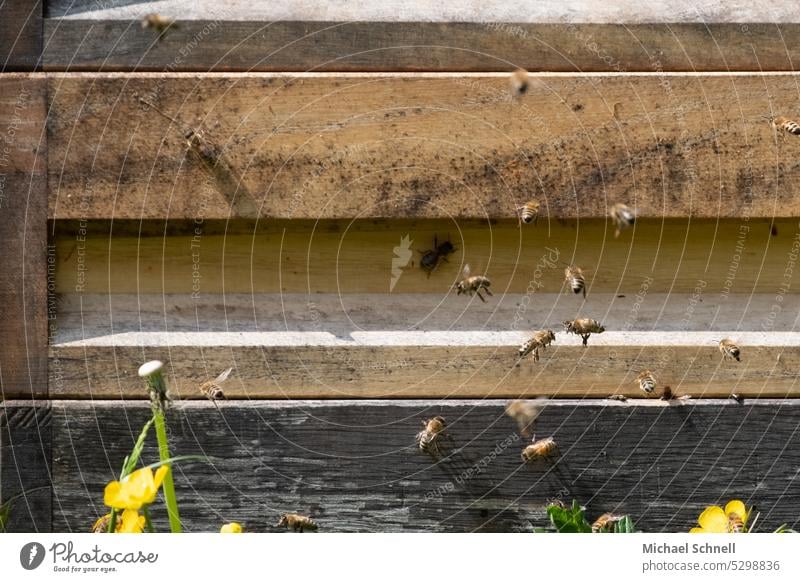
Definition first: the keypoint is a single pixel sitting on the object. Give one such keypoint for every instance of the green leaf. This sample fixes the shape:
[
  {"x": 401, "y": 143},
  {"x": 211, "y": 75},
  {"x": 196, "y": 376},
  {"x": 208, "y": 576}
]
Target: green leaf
[
  {"x": 130, "y": 461},
  {"x": 624, "y": 525},
  {"x": 178, "y": 459},
  {"x": 569, "y": 520}
]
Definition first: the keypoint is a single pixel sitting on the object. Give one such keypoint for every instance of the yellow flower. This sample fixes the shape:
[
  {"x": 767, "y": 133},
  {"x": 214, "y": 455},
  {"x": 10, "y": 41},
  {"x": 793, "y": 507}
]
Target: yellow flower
[
  {"x": 137, "y": 489},
  {"x": 231, "y": 528},
  {"x": 130, "y": 522},
  {"x": 714, "y": 519}
]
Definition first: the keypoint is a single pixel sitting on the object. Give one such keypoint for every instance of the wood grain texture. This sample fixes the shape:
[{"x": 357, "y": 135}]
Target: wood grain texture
[
  {"x": 718, "y": 258},
  {"x": 421, "y": 146},
  {"x": 23, "y": 236},
  {"x": 21, "y": 35},
  {"x": 355, "y": 467},
  {"x": 25, "y": 480},
  {"x": 116, "y": 44}
]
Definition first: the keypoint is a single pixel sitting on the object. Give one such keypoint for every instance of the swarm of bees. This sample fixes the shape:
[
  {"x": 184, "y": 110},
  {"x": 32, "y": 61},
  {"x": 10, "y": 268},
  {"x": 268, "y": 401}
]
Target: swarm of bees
[
  {"x": 540, "y": 339},
  {"x": 584, "y": 328},
  {"x": 473, "y": 284},
  {"x": 431, "y": 259},
  {"x": 297, "y": 523}
]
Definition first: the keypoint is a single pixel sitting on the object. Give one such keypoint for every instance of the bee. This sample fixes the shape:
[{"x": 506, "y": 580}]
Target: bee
[
  {"x": 735, "y": 523},
  {"x": 541, "y": 449},
  {"x": 605, "y": 521},
  {"x": 212, "y": 389},
  {"x": 529, "y": 212},
  {"x": 618, "y": 397},
  {"x": 298, "y": 523},
  {"x": 730, "y": 351},
  {"x": 158, "y": 23},
  {"x": 647, "y": 382},
  {"x": 773, "y": 230},
  {"x": 784, "y": 124},
  {"x": 474, "y": 284},
  {"x": 667, "y": 394},
  {"x": 738, "y": 398},
  {"x": 431, "y": 259},
  {"x": 101, "y": 525},
  {"x": 555, "y": 501},
  {"x": 584, "y": 328},
  {"x": 428, "y": 439},
  {"x": 623, "y": 217},
  {"x": 524, "y": 414},
  {"x": 519, "y": 82},
  {"x": 574, "y": 276},
  {"x": 540, "y": 339}
]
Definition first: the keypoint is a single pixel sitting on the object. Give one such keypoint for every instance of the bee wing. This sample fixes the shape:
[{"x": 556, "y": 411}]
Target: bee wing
[
  {"x": 466, "y": 271},
  {"x": 224, "y": 376}
]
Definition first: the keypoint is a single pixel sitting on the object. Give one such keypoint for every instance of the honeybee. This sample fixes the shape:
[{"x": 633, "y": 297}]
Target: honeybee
[
  {"x": 529, "y": 212},
  {"x": 735, "y": 523},
  {"x": 158, "y": 23},
  {"x": 540, "y": 339},
  {"x": 584, "y": 328},
  {"x": 555, "y": 501},
  {"x": 574, "y": 276},
  {"x": 623, "y": 217},
  {"x": 667, "y": 393},
  {"x": 784, "y": 124},
  {"x": 647, "y": 382},
  {"x": 428, "y": 439},
  {"x": 474, "y": 284},
  {"x": 618, "y": 397},
  {"x": 212, "y": 389},
  {"x": 101, "y": 525},
  {"x": 738, "y": 398},
  {"x": 541, "y": 449},
  {"x": 524, "y": 413},
  {"x": 298, "y": 523},
  {"x": 605, "y": 521},
  {"x": 519, "y": 82},
  {"x": 730, "y": 351},
  {"x": 431, "y": 259}
]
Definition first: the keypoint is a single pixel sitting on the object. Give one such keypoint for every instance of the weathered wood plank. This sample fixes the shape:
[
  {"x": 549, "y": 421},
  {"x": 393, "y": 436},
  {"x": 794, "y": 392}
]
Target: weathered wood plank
[
  {"x": 719, "y": 258},
  {"x": 354, "y": 466},
  {"x": 21, "y": 35},
  {"x": 23, "y": 236},
  {"x": 25, "y": 480},
  {"x": 427, "y": 364},
  {"x": 421, "y": 145}
]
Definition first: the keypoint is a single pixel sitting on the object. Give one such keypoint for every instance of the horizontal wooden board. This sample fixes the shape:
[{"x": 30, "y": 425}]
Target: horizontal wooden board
[
  {"x": 714, "y": 258},
  {"x": 477, "y": 364},
  {"x": 421, "y": 145},
  {"x": 353, "y": 466},
  {"x": 21, "y": 35}
]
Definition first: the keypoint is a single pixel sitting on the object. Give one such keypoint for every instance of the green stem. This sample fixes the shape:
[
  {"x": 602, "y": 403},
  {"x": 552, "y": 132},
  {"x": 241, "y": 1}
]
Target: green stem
[
  {"x": 169, "y": 487},
  {"x": 147, "y": 521}
]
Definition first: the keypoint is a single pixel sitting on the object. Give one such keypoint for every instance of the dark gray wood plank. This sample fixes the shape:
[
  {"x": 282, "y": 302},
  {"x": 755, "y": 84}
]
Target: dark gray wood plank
[
  {"x": 253, "y": 45},
  {"x": 20, "y": 35},
  {"x": 25, "y": 484},
  {"x": 354, "y": 466}
]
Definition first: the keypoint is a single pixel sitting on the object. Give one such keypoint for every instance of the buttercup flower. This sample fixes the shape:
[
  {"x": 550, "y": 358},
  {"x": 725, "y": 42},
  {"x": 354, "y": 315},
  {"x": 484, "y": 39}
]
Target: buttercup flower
[
  {"x": 231, "y": 528},
  {"x": 136, "y": 490},
  {"x": 714, "y": 519}
]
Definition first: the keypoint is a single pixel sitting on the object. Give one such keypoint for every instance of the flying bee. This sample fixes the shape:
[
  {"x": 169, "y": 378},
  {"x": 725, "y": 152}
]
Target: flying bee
[
  {"x": 605, "y": 521},
  {"x": 574, "y": 276},
  {"x": 730, "y": 351},
  {"x": 428, "y": 439},
  {"x": 158, "y": 23},
  {"x": 623, "y": 217},
  {"x": 647, "y": 382},
  {"x": 584, "y": 328},
  {"x": 784, "y": 125},
  {"x": 519, "y": 82},
  {"x": 529, "y": 212},
  {"x": 541, "y": 449},
  {"x": 298, "y": 523},
  {"x": 431, "y": 259},
  {"x": 212, "y": 389},
  {"x": 525, "y": 414},
  {"x": 540, "y": 339},
  {"x": 473, "y": 284}
]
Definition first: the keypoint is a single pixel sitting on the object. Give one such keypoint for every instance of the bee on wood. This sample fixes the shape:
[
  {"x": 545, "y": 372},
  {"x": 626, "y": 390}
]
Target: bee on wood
[
  {"x": 474, "y": 284},
  {"x": 540, "y": 339},
  {"x": 541, "y": 449},
  {"x": 158, "y": 23},
  {"x": 525, "y": 414},
  {"x": 623, "y": 217},
  {"x": 605, "y": 521},
  {"x": 519, "y": 82},
  {"x": 429, "y": 438},
  {"x": 298, "y": 523},
  {"x": 529, "y": 212},
  {"x": 784, "y": 125},
  {"x": 618, "y": 397},
  {"x": 574, "y": 276},
  {"x": 773, "y": 230},
  {"x": 584, "y": 328},
  {"x": 212, "y": 389},
  {"x": 431, "y": 259},
  {"x": 730, "y": 351},
  {"x": 667, "y": 393},
  {"x": 647, "y": 382},
  {"x": 738, "y": 398}
]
